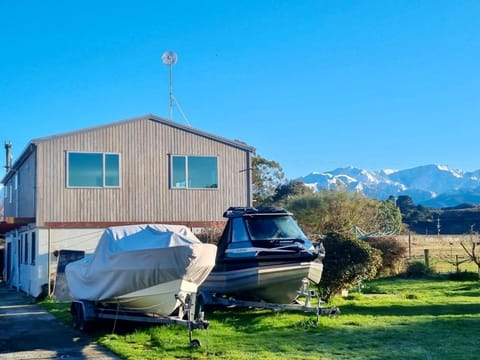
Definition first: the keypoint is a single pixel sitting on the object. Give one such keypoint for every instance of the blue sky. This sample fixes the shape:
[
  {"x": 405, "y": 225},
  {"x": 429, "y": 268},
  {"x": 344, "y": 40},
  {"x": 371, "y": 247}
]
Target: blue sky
[{"x": 314, "y": 85}]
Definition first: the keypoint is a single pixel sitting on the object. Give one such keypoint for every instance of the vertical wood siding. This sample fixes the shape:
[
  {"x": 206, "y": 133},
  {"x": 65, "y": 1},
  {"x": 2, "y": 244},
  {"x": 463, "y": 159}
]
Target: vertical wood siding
[
  {"x": 22, "y": 204},
  {"x": 144, "y": 195}
]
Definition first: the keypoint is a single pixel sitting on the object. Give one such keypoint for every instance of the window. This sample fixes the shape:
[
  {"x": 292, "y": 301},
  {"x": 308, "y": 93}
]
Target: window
[
  {"x": 33, "y": 248},
  {"x": 194, "y": 172},
  {"x": 93, "y": 169},
  {"x": 239, "y": 233},
  {"x": 274, "y": 227}
]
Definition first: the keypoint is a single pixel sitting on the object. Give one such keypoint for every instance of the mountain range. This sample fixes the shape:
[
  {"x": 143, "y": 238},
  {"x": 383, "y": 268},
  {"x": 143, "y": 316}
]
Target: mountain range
[{"x": 435, "y": 186}]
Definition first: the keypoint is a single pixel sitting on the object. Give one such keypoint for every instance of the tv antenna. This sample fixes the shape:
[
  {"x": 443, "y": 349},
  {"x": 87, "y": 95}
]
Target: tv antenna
[{"x": 170, "y": 58}]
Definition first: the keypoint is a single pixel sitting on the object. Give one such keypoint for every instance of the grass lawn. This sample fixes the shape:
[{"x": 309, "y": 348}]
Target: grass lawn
[{"x": 390, "y": 319}]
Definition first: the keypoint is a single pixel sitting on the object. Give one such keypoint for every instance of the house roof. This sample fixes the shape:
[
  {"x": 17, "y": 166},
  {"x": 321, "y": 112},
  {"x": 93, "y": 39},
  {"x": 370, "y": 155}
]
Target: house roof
[{"x": 31, "y": 145}]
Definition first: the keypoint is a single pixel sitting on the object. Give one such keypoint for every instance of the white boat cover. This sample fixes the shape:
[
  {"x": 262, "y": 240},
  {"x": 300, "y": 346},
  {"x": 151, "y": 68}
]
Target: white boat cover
[{"x": 134, "y": 257}]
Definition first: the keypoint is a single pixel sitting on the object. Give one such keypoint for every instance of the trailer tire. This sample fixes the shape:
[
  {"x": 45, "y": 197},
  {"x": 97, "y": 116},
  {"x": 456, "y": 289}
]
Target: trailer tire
[{"x": 79, "y": 321}]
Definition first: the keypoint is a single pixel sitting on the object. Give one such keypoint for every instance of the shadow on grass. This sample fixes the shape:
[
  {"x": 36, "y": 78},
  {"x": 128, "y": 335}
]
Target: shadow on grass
[
  {"x": 409, "y": 310},
  {"x": 262, "y": 334},
  {"x": 249, "y": 321},
  {"x": 470, "y": 290},
  {"x": 435, "y": 338}
]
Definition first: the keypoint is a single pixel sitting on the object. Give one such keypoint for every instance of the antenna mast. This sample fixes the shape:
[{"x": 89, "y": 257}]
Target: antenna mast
[{"x": 170, "y": 58}]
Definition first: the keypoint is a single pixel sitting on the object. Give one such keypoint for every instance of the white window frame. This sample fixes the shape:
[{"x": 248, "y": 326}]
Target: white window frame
[
  {"x": 186, "y": 187},
  {"x": 104, "y": 186}
]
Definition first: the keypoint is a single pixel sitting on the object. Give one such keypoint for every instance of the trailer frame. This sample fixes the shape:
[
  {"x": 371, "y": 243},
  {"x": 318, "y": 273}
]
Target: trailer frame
[
  {"x": 206, "y": 298},
  {"x": 86, "y": 312}
]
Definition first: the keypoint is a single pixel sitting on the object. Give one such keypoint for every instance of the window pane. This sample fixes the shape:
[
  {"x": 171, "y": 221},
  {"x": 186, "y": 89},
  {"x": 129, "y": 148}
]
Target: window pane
[
  {"x": 85, "y": 169},
  {"x": 239, "y": 233},
  {"x": 202, "y": 172},
  {"x": 112, "y": 170},
  {"x": 178, "y": 172}
]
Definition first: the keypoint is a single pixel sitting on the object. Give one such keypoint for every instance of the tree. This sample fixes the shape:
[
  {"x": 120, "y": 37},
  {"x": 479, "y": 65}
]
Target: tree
[
  {"x": 405, "y": 204},
  {"x": 413, "y": 214},
  {"x": 389, "y": 217},
  {"x": 339, "y": 211},
  {"x": 470, "y": 248},
  {"x": 347, "y": 262},
  {"x": 267, "y": 175},
  {"x": 392, "y": 251},
  {"x": 289, "y": 189}
]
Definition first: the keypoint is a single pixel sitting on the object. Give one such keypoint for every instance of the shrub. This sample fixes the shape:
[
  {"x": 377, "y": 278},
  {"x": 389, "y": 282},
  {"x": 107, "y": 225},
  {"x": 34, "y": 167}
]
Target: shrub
[
  {"x": 347, "y": 262},
  {"x": 210, "y": 235},
  {"x": 417, "y": 269},
  {"x": 393, "y": 254}
]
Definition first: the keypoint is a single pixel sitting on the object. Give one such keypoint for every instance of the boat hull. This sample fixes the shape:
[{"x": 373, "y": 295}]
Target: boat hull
[
  {"x": 270, "y": 283},
  {"x": 161, "y": 299}
]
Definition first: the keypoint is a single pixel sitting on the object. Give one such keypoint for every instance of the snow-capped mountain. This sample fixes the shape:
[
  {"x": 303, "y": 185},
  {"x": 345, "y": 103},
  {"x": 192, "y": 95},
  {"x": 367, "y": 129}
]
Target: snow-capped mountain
[{"x": 429, "y": 185}]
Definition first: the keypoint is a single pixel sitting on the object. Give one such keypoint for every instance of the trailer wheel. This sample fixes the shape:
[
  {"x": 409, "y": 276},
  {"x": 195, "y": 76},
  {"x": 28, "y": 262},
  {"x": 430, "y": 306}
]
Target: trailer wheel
[
  {"x": 195, "y": 343},
  {"x": 79, "y": 321}
]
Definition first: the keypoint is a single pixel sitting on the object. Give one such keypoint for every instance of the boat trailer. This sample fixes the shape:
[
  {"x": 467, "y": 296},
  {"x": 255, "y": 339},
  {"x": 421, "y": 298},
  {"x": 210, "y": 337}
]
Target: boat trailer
[
  {"x": 206, "y": 298},
  {"x": 86, "y": 312}
]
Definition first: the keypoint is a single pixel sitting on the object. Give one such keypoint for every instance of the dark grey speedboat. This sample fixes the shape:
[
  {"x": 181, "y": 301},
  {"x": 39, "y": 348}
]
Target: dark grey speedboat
[{"x": 263, "y": 255}]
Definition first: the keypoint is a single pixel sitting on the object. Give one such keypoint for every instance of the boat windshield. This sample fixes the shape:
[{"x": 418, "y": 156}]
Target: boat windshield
[{"x": 273, "y": 227}]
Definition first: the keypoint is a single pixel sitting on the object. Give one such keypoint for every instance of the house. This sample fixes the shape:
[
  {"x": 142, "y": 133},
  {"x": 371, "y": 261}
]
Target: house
[{"x": 65, "y": 189}]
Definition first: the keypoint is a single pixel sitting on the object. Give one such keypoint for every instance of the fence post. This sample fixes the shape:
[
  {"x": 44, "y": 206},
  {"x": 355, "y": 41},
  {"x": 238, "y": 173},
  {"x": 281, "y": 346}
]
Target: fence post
[
  {"x": 427, "y": 259},
  {"x": 456, "y": 263},
  {"x": 409, "y": 245}
]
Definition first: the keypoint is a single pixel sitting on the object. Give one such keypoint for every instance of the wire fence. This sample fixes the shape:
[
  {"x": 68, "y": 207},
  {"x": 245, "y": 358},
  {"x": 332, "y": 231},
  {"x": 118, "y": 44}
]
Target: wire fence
[{"x": 442, "y": 253}]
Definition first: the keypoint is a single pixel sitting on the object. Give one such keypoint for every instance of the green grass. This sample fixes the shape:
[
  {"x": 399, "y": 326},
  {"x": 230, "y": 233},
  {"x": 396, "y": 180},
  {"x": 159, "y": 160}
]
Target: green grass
[
  {"x": 61, "y": 310},
  {"x": 390, "y": 319}
]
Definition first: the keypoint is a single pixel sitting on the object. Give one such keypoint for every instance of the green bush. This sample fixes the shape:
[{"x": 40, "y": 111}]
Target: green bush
[
  {"x": 417, "y": 270},
  {"x": 347, "y": 262},
  {"x": 393, "y": 254}
]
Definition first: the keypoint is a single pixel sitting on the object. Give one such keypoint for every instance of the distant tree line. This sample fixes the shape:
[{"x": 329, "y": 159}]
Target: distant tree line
[{"x": 461, "y": 219}]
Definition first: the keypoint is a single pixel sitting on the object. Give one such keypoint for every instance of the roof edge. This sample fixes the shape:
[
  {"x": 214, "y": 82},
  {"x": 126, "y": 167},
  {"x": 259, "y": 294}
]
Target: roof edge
[
  {"x": 235, "y": 143},
  {"x": 155, "y": 118}
]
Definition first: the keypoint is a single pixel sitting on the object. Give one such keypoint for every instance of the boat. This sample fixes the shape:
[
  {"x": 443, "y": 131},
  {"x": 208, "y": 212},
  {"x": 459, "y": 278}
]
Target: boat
[
  {"x": 263, "y": 255},
  {"x": 150, "y": 268}
]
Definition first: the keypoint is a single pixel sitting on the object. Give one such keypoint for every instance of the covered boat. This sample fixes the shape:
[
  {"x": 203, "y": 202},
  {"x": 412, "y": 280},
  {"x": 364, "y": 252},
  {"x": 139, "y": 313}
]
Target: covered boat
[
  {"x": 150, "y": 268},
  {"x": 263, "y": 255}
]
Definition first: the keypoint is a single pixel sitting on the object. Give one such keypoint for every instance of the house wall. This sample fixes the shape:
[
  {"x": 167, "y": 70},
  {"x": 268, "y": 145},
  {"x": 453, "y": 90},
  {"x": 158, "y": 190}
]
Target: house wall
[
  {"x": 145, "y": 147},
  {"x": 19, "y": 196},
  {"x": 30, "y": 276}
]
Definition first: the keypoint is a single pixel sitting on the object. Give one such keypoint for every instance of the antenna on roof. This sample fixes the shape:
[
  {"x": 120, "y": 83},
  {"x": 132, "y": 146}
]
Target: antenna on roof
[{"x": 170, "y": 58}]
